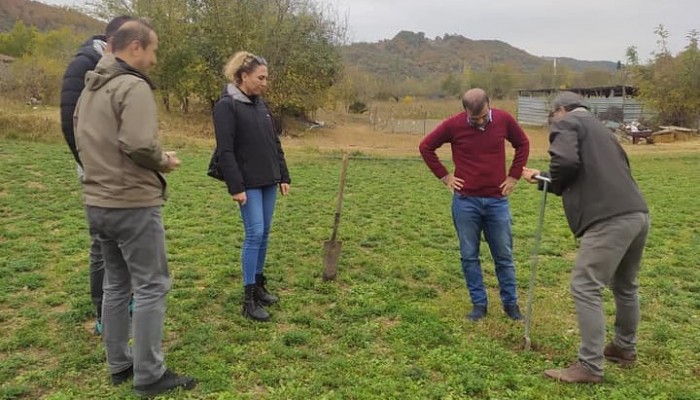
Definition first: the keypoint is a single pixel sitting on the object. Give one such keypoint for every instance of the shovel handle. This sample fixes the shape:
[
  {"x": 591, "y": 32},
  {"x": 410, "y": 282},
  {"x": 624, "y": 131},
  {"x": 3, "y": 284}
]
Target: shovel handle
[
  {"x": 341, "y": 189},
  {"x": 543, "y": 178},
  {"x": 534, "y": 259}
]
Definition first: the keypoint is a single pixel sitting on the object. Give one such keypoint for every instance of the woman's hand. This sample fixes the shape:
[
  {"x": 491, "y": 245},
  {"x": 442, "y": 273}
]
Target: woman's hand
[
  {"x": 240, "y": 198},
  {"x": 284, "y": 189}
]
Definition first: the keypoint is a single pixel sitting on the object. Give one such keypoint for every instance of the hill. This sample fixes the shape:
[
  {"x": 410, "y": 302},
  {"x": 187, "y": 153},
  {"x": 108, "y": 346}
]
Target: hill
[
  {"x": 411, "y": 54},
  {"x": 45, "y": 17}
]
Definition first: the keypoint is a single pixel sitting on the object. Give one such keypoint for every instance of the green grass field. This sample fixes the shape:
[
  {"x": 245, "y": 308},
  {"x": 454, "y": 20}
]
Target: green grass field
[{"x": 393, "y": 324}]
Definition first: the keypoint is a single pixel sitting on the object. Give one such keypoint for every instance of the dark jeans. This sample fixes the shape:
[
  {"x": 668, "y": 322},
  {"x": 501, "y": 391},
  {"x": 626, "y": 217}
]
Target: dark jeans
[
  {"x": 97, "y": 266},
  {"x": 97, "y": 274}
]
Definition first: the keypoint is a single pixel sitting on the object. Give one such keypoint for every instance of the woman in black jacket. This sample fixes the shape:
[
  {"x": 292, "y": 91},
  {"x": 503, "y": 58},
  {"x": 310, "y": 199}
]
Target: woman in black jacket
[{"x": 253, "y": 166}]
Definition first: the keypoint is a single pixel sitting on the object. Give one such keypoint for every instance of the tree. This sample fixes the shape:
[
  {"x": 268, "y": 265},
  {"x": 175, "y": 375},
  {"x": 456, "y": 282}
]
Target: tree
[
  {"x": 499, "y": 80},
  {"x": 298, "y": 38},
  {"x": 671, "y": 85},
  {"x": 19, "y": 41},
  {"x": 41, "y": 59},
  {"x": 452, "y": 85}
]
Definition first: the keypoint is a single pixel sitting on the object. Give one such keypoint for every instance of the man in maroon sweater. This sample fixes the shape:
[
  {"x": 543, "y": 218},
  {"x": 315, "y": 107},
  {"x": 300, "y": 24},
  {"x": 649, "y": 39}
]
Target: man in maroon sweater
[{"x": 480, "y": 188}]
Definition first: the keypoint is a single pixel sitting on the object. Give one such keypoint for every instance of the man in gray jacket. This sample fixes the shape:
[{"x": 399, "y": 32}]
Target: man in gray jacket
[
  {"x": 607, "y": 212},
  {"x": 116, "y": 129}
]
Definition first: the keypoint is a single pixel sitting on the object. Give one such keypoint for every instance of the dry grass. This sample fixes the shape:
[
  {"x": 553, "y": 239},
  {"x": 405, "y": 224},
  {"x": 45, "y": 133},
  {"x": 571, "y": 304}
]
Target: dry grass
[{"x": 342, "y": 132}]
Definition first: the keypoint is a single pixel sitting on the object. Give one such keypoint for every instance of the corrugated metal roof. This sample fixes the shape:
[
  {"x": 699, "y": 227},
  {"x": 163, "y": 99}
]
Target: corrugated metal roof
[{"x": 596, "y": 91}]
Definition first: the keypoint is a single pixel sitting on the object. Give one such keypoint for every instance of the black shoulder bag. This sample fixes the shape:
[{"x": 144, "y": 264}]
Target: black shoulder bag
[{"x": 214, "y": 169}]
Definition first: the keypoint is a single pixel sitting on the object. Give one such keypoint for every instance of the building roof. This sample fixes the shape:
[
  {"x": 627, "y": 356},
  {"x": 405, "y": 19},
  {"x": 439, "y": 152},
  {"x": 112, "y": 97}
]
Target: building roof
[{"x": 599, "y": 91}]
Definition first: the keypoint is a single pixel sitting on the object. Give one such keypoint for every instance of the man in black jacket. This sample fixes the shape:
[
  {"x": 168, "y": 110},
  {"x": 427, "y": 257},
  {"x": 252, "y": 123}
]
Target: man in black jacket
[
  {"x": 73, "y": 83},
  {"x": 607, "y": 212}
]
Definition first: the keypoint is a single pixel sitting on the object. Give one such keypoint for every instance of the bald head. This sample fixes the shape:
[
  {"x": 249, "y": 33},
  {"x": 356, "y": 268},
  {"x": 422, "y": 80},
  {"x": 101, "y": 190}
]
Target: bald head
[
  {"x": 475, "y": 100},
  {"x": 138, "y": 30}
]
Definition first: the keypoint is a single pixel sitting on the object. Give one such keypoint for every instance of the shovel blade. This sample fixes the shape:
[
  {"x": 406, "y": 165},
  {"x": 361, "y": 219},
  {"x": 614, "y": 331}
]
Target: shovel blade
[{"x": 331, "y": 254}]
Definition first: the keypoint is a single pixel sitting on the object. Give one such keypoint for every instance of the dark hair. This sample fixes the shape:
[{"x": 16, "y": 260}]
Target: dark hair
[
  {"x": 116, "y": 23},
  {"x": 136, "y": 30}
]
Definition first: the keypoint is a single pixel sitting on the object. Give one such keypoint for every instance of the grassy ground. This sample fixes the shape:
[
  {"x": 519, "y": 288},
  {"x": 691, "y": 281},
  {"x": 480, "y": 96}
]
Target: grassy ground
[{"x": 393, "y": 324}]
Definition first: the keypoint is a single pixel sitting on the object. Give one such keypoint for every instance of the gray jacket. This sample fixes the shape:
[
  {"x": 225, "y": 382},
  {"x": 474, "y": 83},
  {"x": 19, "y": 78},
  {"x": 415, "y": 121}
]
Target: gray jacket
[{"x": 591, "y": 171}]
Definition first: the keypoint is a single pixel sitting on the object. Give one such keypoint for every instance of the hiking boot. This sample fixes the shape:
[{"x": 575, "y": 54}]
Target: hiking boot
[
  {"x": 264, "y": 297},
  {"x": 167, "y": 382},
  {"x": 251, "y": 306},
  {"x": 576, "y": 373},
  {"x": 513, "y": 311},
  {"x": 479, "y": 311},
  {"x": 123, "y": 376},
  {"x": 614, "y": 354},
  {"x": 98, "y": 327}
]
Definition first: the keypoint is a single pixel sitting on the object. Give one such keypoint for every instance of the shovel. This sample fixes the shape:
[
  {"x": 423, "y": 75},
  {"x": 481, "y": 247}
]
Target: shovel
[
  {"x": 331, "y": 248},
  {"x": 527, "y": 343}
]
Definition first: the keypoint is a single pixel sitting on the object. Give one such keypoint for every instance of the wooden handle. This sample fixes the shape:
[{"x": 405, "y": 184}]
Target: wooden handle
[{"x": 341, "y": 189}]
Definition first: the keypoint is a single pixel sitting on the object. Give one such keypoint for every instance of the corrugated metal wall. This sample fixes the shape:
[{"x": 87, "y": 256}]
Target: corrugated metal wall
[{"x": 534, "y": 110}]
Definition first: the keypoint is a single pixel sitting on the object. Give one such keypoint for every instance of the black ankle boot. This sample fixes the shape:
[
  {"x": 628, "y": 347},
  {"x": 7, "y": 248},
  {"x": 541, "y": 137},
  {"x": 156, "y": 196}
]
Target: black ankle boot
[
  {"x": 264, "y": 297},
  {"x": 251, "y": 307},
  {"x": 479, "y": 311}
]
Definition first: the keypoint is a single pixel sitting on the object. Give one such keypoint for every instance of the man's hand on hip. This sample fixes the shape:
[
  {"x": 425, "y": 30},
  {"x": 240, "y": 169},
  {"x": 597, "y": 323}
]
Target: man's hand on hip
[
  {"x": 452, "y": 182},
  {"x": 508, "y": 186}
]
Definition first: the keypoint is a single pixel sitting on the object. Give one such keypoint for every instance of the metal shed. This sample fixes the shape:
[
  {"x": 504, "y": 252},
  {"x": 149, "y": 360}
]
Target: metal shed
[{"x": 604, "y": 101}]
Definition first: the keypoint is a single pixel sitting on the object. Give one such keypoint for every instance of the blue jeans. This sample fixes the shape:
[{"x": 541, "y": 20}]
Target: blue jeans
[
  {"x": 471, "y": 216},
  {"x": 257, "y": 219}
]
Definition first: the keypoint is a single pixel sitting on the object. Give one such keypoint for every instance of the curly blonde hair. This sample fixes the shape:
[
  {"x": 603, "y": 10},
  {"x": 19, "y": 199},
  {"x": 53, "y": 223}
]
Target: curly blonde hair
[{"x": 240, "y": 62}]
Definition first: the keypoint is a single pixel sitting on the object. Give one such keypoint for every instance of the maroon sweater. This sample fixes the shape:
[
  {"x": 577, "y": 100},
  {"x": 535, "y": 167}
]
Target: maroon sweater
[{"x": 479, "y": 156}]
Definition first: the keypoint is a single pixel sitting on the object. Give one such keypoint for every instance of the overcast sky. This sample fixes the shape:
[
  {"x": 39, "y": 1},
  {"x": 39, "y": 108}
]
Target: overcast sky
[{"x": 586, "y": 30}]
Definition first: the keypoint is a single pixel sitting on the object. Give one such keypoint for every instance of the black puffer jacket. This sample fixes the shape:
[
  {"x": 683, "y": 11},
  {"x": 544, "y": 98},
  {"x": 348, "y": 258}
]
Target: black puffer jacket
[
  {"x": 250, "y": 152},
  {"x": 73, "y": 83}
]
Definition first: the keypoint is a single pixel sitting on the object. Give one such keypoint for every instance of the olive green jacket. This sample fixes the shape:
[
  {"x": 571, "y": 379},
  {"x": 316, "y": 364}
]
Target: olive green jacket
[{"x": 116, "y": 131}]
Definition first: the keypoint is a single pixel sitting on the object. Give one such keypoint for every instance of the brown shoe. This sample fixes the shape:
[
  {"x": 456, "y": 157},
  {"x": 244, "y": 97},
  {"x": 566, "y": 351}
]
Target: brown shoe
[
  {"x": 576, "y": 373},
  {"x": 614, "y": 354}
]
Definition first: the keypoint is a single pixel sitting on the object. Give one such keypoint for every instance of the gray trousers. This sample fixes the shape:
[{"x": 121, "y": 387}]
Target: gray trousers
[
  {"x": 133, "y": 247},
  {"x": 610, "y": 254}
]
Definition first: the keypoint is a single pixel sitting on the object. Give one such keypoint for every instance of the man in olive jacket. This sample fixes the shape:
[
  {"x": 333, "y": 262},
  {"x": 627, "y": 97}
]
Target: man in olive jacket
[
  {"x": 117, "y": 140},
  {"x": 607, "y": 212}
]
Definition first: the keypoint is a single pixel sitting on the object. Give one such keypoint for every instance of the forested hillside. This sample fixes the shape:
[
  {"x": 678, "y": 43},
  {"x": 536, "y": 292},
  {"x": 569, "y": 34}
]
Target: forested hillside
[
  {"x": 45, "y": 17},
  {"x": 414, "y": 55}
]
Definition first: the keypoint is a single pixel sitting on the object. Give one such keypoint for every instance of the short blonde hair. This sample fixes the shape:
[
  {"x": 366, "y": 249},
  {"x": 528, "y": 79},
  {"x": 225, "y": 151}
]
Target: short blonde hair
[{"x": 240, "y": 62}]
